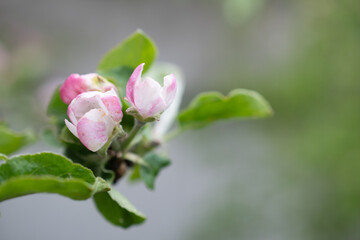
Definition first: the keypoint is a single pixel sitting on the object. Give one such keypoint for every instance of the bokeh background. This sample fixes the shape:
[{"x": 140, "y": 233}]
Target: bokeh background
[{"x": 294, "y": 176}]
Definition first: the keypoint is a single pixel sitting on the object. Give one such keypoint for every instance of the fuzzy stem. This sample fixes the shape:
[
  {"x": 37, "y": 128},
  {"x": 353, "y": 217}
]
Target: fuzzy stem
[
  {"x": 135, "y": 159},
  {"x": 137, "y": 126}
]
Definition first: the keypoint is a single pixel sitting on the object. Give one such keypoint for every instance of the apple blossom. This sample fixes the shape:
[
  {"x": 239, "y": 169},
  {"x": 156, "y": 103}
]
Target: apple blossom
[
  {"x": 93, "y": 116},
  {"x": 147, "y": 98},
  {"x": 76, "y": 84}
]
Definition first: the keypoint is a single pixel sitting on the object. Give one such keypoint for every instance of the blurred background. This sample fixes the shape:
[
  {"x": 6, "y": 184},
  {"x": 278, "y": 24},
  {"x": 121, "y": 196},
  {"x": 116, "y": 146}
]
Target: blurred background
[{"x": 295, "y": 176}]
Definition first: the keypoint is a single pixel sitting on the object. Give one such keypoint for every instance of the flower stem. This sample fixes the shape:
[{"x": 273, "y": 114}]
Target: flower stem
[
  {"x": 127, "y": 142},
  {"x": 135, "y": 159}
]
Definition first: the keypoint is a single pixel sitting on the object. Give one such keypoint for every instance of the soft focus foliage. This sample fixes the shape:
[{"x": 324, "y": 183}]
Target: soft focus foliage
[
  {"x": 11, "y": 141},
  {"x": 314, "y": 137}
]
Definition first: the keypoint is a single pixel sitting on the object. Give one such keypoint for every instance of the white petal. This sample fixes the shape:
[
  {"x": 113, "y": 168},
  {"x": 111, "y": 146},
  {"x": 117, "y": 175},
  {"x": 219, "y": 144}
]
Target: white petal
[
  {"x": 71, "y": 115},
  {"x": 71, "y": 127},
  {"x": 148, "y": 99},
  {"x": 169, "y": 90}
]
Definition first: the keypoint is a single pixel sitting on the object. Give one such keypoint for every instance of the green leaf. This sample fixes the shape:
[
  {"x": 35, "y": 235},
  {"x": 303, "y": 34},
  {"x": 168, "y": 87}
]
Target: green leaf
[
  {"x": 213, "y": 106},
  {"x": 155, "y": 163},
  {"x": 47, "y": 173},
  {"x": 135, "y": 174},
  {"x": 57, "y": 109},
  {"x": 117, "y": 209},
  {"x": 11, "y": 141},
  {"x": 134, "y": 50}
]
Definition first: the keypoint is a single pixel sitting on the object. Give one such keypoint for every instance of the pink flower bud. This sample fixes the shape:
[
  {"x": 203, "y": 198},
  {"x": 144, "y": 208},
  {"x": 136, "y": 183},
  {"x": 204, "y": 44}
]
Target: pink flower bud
[
  {"x": 148, "y": 98},
  {"x": 76, "y": 84},
  {"x": 93, "y": 116}
]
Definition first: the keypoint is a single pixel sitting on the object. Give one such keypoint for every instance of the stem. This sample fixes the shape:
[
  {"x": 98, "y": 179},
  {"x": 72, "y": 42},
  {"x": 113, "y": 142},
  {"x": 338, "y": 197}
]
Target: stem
[
  {"x": 98, "y": 169},
  {"x": 135, "y": 159},
  {"x": 137, "y": 126}
]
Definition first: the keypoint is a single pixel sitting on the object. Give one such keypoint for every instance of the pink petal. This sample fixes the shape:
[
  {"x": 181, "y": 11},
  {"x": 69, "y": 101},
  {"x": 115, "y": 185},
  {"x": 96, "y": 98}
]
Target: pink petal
[
  {"x": 112, "y": 104},
  {"x": 169, "y": 90},
  {"x": 157, "y": 107},
  {"x": 76, "y": 84},
  {"x": 134, "y": 79},
  {"x": 94, "y": 129},
  {"x": 108, "y": 86},
  {"x": 73, "y": 86},
  {"x": 147, "y": 96}
]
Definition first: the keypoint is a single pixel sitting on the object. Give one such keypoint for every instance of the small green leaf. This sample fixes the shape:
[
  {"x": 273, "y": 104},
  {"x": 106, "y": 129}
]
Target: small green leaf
[
  {"x": 155, "y": 163},
  {"x": 57, "y": 109},
  {"x": 47, "y": 173},
  {"x": 11, "y": 141},
  {"x": 213, "y": 106},
  {"x": 67, "y": 137},
  {"x": 117, "y": 209},
  {"x": 134, "y": 50},
  {"x": 135, "y": 174}
]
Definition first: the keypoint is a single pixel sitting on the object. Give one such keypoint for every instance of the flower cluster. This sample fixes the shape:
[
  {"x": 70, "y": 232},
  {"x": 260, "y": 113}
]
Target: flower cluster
[{"x": 95, "y": 109}]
